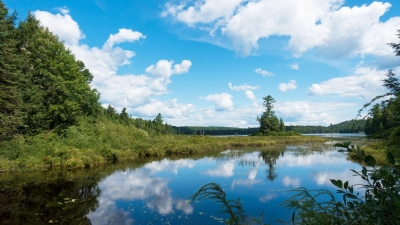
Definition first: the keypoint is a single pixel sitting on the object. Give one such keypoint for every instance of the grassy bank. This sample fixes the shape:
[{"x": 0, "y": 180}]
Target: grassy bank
[
  {"x": 91, "y": 143},
  {"x": 375, "y": 148}
]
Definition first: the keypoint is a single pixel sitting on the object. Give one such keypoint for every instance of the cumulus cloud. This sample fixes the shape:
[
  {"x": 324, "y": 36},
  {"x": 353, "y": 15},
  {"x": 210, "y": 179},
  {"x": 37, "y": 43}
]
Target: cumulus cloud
[
  {"x": 291, "y": 182},
  {"x": 209, "y": 12},
  {"x": 124, "y": 35},
  {"x": 169, "y": 109},
  {"x": 222, "y": 101},
  {"x": 289, "y": 86},
  {"x": 135, "y": 92},
  {"x": 250, "y": 95},
  {"x": 333, "y": 29},
  {"x": 142, "y": 185},
  {"x": 294, "y": 66},
  {"x": 244, "y": 87},
  {"x": 62, "y": 25},
  {"x": 365, "y": 83},
  {"x": 313, "y": 113},
  {"x": 223, "y": 169},
  {"x": 264, "y": 73}
]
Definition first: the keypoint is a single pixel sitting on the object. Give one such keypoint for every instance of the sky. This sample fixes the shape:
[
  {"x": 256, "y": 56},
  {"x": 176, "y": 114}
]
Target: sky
[{"x": 210, "y": 62}]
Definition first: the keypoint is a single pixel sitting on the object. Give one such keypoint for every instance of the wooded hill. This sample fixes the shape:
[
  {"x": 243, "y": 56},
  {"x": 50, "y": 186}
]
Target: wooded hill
[{"x": 351, "y": 126}]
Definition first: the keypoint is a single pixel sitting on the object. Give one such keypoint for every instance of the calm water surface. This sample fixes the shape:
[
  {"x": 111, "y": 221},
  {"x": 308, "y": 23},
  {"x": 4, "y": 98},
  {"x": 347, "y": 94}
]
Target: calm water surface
[{"x": 154, "y": 192}]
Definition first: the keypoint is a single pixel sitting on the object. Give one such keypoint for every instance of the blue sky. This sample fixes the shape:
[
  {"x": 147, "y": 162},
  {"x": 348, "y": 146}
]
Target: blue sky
[{"x": 210, "y": 62}]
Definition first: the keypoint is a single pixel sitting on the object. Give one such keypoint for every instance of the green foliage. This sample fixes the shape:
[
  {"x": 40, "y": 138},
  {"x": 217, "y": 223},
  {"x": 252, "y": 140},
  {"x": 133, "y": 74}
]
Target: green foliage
[
  {"x": 282, "y": 127},
  {"x": 231, "y": 207},
  {"x": 351, "y": 126},
  {"x": 10, "y": 77},
  {"x": 268, "y": 121},
  {"x": 383, "y": 119},
  {"x": 379, "y": 205},
  {"x": 57, "y": 90},
  {"x": 213, "y": 130}
]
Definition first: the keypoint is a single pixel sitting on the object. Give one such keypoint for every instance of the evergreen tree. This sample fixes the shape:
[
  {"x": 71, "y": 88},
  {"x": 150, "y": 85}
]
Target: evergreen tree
[
  {"x": 158, "y": 124},
  {"x": 124, "y": 117},
  {"x": 384, "y": 119},
  {"x": 57, "y": 91},
  {"x": 282, "y": 127},
  {"x": 10, "y": 77},
  {"x": 268, "y": 121}
]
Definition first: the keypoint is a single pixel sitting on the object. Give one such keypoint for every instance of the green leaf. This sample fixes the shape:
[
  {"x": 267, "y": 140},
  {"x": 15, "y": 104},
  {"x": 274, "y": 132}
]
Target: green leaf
[
  {"x": 370, "y": 161},
  {"x": 390, "y": 158},
  {"x": 350, "y": 196},
  {"x": 293, "y": 216},
  {"x": 346, "y": 184},
  {"x": 351, "y": 189},
  {"x": 350, "y": 205},
  {"x": 396, "y": 199},
  {"x": 337, "y": 183}
]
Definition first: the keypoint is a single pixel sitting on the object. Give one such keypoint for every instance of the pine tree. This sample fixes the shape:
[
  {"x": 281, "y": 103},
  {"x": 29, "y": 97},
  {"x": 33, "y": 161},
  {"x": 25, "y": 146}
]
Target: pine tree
[
  {"x": 268, "y": 121},
  {"x": 57, "y": 91},
  {"x": 10, "y": 75},
  {"x": 282, "y": 127}
]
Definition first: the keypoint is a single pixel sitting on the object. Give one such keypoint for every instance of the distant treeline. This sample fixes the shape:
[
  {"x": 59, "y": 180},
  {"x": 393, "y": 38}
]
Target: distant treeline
[
  {"x": 215, "y": 130},
  {"x": 351, "y": 126}
]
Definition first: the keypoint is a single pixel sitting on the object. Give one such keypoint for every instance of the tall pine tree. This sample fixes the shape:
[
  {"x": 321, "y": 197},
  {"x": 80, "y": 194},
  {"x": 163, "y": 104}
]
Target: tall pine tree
[
  {"x": 58, "y": 89},
  {"x": 10, "y": 75}
]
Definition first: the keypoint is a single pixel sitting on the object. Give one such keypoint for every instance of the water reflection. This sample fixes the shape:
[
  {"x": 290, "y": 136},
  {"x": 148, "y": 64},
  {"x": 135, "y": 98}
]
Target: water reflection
[
  {"x": 155, "y": 191},
  {"x": 58, "y": 199},
  {"x": 140, "y": 184}
]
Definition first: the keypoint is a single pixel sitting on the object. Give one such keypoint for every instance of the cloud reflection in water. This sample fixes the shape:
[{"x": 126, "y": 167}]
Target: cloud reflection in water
[{"x": 139, "y": 184}]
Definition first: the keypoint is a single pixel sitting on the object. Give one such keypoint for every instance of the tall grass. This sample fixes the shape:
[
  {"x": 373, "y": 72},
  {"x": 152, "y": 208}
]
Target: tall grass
[{"x": 95, "y": 142}]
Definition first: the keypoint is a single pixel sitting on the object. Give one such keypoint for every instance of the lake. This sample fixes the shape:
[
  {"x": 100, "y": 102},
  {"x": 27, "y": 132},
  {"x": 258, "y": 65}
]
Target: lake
[{"x": 154, "y": 191}]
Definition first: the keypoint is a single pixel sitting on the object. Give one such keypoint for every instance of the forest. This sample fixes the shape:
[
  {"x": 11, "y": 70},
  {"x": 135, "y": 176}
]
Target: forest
[{"x": 350, "y": 126}]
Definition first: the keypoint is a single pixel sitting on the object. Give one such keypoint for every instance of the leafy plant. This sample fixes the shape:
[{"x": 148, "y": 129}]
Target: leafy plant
[
  {"x": 380, "y": 204},
  {"x": 232, "y": 207}
]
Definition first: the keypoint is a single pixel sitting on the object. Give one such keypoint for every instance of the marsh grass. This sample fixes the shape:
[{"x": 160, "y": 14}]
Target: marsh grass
[{"x": 96, "y": 142}]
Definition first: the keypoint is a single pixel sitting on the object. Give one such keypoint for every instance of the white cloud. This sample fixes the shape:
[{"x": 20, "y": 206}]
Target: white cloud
[
  {"x": 333, "y": 29},
  {"x": 365, "y": 83},
  {"x": 140, "y": 184},
  {"x": 135, "y": 92},
  {"x": 62, "y": 25},
  {"x": 244, "y": 87},
  {"x": 250, "y": 95},
  {"x": 124, "y": 35},
  {"x": 264, "y": 73},
  {"x": 289, "y": 86},
  {"x": 222, "y": 101},
  {"x": 210, "y": 11},
  {"x": 223, "y": 169},
  {"x": 291, "y": 182},
  {"x": 295, "y": 66},
  {"x": 268, "y": 197},
  {"x": 313, "y": 113},
  {"x": 169, "y": 109}
]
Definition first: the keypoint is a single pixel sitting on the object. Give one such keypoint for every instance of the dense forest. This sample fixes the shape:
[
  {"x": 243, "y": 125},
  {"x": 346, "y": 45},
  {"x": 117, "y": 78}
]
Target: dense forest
[
  {"x": 350, "y": 126},
  {"x": 43, "y": 88}
]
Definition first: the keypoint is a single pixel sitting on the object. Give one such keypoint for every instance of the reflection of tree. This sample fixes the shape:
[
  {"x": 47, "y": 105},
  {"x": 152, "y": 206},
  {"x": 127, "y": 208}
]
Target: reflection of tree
[
  {"x": 60, "y": 200},
  {"x": 62, "y": 197},
  {"x": 270, "y": 157}
]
